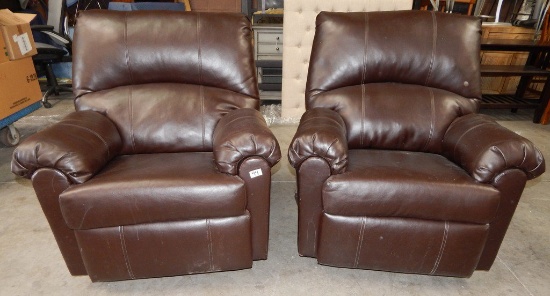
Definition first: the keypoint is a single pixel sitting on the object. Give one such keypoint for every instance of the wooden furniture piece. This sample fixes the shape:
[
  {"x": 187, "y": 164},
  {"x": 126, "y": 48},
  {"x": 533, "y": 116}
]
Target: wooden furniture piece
[
  {"x": 216, "y": 5},
  {"x": 535, "y": 65},
  {"x": 471, "y": 5},
  {"x": 186, "y": 3},
  {"x": 503, "y": 84},
  {"x": 268, "y": 54},
  {"x": 545, "y": 116}
]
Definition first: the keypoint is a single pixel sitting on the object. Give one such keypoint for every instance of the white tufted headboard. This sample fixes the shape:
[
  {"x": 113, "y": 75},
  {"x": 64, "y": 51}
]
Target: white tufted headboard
[{"x": 298, "y": 32}]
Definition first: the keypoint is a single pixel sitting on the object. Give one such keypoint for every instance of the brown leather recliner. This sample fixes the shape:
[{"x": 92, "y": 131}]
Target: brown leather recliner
[
  {"x": 164, "y": 169},
  {"x": 395, "y": 169}
]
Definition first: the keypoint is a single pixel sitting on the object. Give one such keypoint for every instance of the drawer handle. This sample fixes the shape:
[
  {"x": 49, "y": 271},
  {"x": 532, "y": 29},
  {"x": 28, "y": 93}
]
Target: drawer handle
[
  {"x": 277, "y": 49},
  {"x": 277, "y": 38}
]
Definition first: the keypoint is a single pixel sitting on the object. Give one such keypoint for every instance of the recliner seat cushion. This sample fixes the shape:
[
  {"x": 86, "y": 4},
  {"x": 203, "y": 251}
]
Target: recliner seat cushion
[
  {"x": 408, "y": 184},
  {"x": 147, "y": 188}
]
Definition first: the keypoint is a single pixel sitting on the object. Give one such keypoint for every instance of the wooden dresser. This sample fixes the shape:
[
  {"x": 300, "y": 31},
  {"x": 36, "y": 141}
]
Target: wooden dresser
[
  {"x": 504, "y": 84},
  {"x": 514, "y": 70},
  {"x": 216, "y": 5}
]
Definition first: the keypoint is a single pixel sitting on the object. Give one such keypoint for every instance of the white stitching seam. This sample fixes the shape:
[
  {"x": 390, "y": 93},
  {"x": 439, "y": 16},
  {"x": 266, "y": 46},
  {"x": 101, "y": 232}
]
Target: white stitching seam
[
  {"x": 363, "y": 77},
  {"x": 432, "y": 123},
  {"x": 201, "y": 89},
  {"x": 92, "y": 132},
  {"x": 131, "y": 80},
  {"x": 434, "y": 45},
  {"x": 209, "y": 237},
  {"x": 360, "y": 242},
  {"x": 442, "y": 248},
  {"x": 125, "y": 252}
]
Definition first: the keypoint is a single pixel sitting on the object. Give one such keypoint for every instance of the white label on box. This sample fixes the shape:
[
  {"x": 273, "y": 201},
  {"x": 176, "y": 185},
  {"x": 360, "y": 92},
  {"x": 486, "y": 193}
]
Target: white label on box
[
  {"x": 24, "y": 43},
  {"x": 255, "y": 173}
]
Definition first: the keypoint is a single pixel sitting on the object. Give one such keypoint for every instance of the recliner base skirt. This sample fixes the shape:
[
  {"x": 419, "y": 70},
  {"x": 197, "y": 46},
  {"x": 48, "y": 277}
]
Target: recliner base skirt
[
  {"x": 166, "y": 249},
  {"x": 401, "y": 244}
]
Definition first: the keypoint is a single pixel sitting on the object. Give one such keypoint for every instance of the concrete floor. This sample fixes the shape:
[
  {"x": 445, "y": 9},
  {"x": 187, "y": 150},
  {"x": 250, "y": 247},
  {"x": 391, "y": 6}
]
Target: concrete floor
[{"x": 30, "y": 263}]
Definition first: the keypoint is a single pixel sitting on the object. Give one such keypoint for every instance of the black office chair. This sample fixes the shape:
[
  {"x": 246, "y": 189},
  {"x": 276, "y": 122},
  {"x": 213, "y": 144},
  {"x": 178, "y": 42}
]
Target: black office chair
[{"x": 58, "y": 50}]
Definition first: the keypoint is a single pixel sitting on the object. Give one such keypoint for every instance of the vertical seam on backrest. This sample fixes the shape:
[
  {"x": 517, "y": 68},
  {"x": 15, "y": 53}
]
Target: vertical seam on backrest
[
  {"x": 363, "y": 77},
  {"x": 131, "y": 115},
  {"x": 201, "y": 94},
  {"x": 365, "y": 28},
  {"x": 432, "y": 119},
  {"x": 125, "y": 252},
  {"x": 361, "y": 136},
  {"x": 199, "y": 47},
  {"x": 201, "y": 90},
  {"x": 434, "y": 44},
  {"x": 127, "y": 57},
  {"x": 441, "y": 248},
  {"x": 360, "y": 241}
]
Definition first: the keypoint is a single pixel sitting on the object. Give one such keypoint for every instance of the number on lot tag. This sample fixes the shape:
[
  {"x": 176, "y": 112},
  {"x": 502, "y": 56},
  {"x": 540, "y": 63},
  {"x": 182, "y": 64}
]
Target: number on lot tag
[{"x": 255, "y": 173}]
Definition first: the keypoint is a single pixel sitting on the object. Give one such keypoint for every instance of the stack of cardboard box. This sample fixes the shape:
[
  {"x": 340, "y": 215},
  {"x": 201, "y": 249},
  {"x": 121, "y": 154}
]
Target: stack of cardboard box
[{"x": 19, "y": 86}]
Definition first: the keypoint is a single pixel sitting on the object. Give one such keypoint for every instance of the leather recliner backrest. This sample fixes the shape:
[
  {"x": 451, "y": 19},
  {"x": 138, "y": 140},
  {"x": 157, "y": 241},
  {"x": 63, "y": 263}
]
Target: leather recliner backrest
[
  {"x": 165, "y": 78},
  {"x": 397, "y": 78},
  {"x": 298, "y": 33}
]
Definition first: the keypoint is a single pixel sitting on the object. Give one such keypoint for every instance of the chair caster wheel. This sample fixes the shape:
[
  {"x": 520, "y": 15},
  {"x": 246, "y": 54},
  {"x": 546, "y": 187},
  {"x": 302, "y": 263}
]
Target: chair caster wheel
[
  {"x": 9, "y": 136},
  {"x": 47, "y": 104}
]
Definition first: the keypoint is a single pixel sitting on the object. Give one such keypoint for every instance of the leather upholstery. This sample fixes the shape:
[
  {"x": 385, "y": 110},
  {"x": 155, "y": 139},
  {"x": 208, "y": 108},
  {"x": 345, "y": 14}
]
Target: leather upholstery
[
  {"x": 79, "y": 146},
  {"x": 395, "y": 169},
  {"x": 241, "y": 134},
  {"x": 497, "y": 149},
  {"x": 156, "y": 173},
  {"x": 182, "y": 69},
  {"x": 180, "y": 247},
  {"x": 298, "y": 33},
  {"x": 384, "y": 61},
  {"x": 370, "y": 121},
  {"x": 401, "y": 245},
  {"x": 134, "y": 109},
  {"x": 435, "y": 190},
  {"x": 135, "y": 189},
  {"x": 184, "y": 50},
  {"x": 394, "y": 59},
  {"x": 321, "y": 133}
]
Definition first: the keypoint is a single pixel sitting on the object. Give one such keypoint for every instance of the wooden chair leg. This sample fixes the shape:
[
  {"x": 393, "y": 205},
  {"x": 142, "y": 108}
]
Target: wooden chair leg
[{"x": 545, "y": 118}]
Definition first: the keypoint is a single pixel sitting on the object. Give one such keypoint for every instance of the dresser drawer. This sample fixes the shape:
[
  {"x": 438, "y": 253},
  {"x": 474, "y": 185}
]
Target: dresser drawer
[
  {"x": 270, "y": 49},
  {"x": 270, "y": 37}
]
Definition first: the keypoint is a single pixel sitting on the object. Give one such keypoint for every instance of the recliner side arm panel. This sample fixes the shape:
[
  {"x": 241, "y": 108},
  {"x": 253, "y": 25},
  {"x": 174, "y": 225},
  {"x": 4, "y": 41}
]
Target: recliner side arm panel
[
  {"x": 79, "y": 146},
  {"x": 240, "y": 134},
  {"x": 321, "y": 133},
  {"x": 485, "y": 149}
]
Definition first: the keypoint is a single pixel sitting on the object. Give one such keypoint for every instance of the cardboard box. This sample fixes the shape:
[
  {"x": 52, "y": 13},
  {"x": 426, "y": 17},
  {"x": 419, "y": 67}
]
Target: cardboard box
[
  {"x": 4, "y": 57},
  {"x": 16, "y": 38},
  {"x": 19, "y": 86}
]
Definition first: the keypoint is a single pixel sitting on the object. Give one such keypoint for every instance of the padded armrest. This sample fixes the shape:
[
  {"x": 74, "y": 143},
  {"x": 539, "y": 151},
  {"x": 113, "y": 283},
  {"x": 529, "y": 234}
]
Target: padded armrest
[
  {"x": 321, "y": 133},
  {"x": 242, "y": 133},
  {"x": 485, "y": 149},
  {"x": 62, "y": 40},
  {"x": 79, "y": 146}
]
